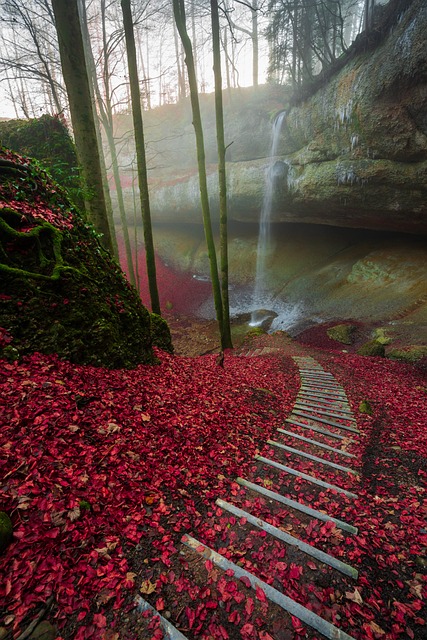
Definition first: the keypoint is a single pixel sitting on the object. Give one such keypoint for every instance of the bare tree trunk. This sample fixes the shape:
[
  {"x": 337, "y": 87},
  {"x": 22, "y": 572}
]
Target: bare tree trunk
[
  {"x": 94, "y": 89},
  {"x": 140, "y": 155},
  {"x": 148, "y": 83},
  {"x": 369, "y": 6},
  {"x": 179, "y": 13},
  {"x": 181, "y": 79},
  {"x": 295, "y": 72},
  {"x": 135, "y": 231},
  {"x": 144, "y": 68},
  {"x": 227, "y": 62},
  {"x": 121, "y": 204},
  {"x": 160, "y": 75},
  {"x": 76, "y": 80},
  {"x": 106, "y": 112},
  {"x": 226, "y": 342},
  {"x": 252, "y": 33},
  {"x": 193, "y": 35},
  {"x": 255, "y": 45}
]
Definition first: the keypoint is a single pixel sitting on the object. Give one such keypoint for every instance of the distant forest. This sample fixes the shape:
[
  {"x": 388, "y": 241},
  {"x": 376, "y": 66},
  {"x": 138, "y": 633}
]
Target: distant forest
[{"x": 279, "y": 41}]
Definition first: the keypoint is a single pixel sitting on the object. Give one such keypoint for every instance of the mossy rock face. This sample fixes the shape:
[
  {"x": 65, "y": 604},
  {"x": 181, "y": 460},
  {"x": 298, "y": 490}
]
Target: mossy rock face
[
  {"x": 342, "y": 333},
  {"x": 6, "y": 531},
  {"x": 61, "y": 291},
  {"x": 372, "y": 348},
  {"x": 160, "y": 333}
]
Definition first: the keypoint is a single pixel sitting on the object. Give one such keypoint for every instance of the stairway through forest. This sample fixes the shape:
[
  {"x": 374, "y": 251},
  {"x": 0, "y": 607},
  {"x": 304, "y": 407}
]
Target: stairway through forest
[{"x": 273, "y": 515}]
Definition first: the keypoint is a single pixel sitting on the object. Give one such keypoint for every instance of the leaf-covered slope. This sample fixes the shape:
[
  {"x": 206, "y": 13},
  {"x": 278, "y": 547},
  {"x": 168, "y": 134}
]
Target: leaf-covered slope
[
  {"x": 61, "y": 292},
  {"x": 108, "y": 457}
]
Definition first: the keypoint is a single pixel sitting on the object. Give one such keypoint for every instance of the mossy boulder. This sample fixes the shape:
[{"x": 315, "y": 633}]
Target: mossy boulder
[
  {"x": 411, "y": 354},
  {"x": 372, "y": 348},
  {"x": 365, "y": 407},
  {"x": 381, "y": 336},
  {"x": 61, "y": 291},
  {"x": 160, "y": 333},
  {"x": 6, "y": 531},
  {"x": 343, "y": 333}
]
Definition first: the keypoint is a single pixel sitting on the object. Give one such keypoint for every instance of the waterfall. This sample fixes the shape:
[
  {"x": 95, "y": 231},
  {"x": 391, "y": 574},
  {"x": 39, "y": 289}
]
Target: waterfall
[{"x": 263, "y": 248}]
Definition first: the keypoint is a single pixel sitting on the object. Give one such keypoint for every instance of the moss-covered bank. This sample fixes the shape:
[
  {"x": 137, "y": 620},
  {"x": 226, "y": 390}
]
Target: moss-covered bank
[{"x": 61, "y": 292}]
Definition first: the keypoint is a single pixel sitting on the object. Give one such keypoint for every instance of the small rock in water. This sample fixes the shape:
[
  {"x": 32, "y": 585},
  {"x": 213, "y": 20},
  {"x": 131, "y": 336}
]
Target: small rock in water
[{"x": 262, "y": 318}]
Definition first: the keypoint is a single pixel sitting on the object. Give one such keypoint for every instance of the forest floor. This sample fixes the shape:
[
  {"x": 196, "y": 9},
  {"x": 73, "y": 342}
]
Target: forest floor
[{"x": 104, "y": 471}]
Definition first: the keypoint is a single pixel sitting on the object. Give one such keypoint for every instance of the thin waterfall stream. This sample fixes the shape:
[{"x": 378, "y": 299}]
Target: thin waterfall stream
[{"x": 264, "y": 237}]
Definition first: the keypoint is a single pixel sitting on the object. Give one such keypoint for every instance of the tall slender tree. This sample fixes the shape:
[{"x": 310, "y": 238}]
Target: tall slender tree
[
  {"x": 75, "y": 74},
  {"x": 180, "y": 19},
  {"x": 94, "y": 90},
  {"x": 140, "y": 155},
  {"x": 220, "y": 138}
]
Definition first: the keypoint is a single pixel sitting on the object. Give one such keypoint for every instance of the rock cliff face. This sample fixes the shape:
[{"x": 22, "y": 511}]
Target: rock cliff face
[
  {"x": 357, "y": 149},
  {"x": 354, "y": 154}
]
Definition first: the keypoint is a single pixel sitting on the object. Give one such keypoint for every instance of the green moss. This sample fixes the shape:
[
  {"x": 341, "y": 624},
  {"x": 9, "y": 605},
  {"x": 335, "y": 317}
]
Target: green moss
[
  {"x": 10, "y": 353},
  {"x": 372, "y": 348},
  {"x": 48, "y": 140},
  {"x": 255, "y": 331},
  {"x": 342, "y": 333},
  {"x": 380, "y": 336},
  {"x": 411, "y": 354},
  {"x": 365, "y": 407},
  {"x": 10, "y": 233},
  {"x": 160, "y": 333},
  {"x": 84, "y": 505},
  {"x": 6, "y": 531}
]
